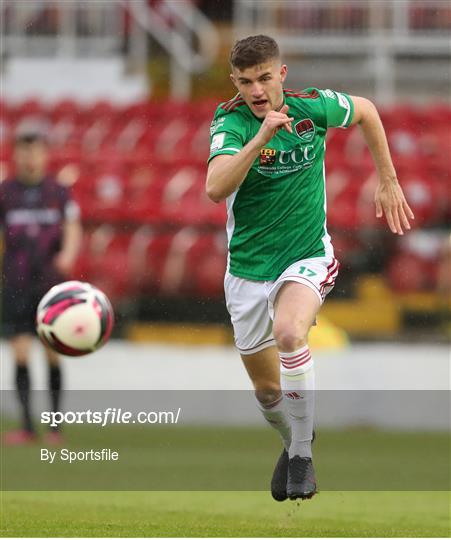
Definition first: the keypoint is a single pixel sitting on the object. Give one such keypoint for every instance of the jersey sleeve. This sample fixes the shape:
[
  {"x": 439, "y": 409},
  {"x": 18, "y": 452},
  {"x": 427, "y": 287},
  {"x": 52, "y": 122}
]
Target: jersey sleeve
[
  {"x": 338, "y": 108},
  {"x": 227, "y": 135}
]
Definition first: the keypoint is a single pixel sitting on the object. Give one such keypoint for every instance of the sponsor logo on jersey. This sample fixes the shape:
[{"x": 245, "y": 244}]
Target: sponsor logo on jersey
[
  {"x": 328, "y": 93},
  {"x": 343, "y": 102},
  {"x": 305, "y": 129},
  {"x": 217, "y": 142},
  {"x": 301, "y": 154},
  {"x": 267, "y": 156},
  {"x": 216, "y": 124},
  {"x": 285, "y": 161}
]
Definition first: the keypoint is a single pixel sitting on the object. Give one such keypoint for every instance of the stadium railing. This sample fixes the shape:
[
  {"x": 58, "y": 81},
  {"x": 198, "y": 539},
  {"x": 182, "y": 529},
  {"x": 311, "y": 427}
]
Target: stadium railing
[{"x": 382, "y": 48}]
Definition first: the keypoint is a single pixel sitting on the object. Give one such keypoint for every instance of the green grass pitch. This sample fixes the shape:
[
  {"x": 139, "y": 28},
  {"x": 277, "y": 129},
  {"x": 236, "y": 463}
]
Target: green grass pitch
[
  {"x": 371, "y": 464},
  {"x": 226, "y": 514}
]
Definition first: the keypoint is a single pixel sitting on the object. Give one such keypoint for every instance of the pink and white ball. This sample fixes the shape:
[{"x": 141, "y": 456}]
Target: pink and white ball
[{"x": 74, "y": 318}]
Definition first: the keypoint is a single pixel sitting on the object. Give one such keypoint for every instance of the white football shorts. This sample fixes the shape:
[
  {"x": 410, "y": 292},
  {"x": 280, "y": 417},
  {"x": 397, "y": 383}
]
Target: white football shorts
[{"x": 251, "y": 303}]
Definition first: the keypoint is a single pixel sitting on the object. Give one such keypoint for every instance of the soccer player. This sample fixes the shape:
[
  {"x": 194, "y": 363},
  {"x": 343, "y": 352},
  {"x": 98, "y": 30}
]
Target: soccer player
[
  {"x": 42, "y": 235},
  {"x": 267, "y": 161}
]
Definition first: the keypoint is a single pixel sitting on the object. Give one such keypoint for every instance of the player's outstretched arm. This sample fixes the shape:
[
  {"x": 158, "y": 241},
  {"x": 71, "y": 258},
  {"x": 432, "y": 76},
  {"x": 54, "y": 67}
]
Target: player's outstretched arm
[
  {"x": 71, "y": 244},
  {"x": 226, "y": 173},
  {"x": 389, "y": 198}
]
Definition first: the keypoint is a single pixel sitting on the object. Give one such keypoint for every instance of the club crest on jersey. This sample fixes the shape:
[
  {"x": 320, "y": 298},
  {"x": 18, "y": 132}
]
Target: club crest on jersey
[
  {"x": 305, "y": 129},
  {"x": 267, "y": 156}
]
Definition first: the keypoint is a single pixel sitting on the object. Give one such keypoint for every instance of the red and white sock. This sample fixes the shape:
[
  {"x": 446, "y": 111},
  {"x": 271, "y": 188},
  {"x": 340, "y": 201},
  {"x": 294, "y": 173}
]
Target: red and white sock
[
  {"x": 276, "y": 416},
  {"x": 297, "y": 379}
]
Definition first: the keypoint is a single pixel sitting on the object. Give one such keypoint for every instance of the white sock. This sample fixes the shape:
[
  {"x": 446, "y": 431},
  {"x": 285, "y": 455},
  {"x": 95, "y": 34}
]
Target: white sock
[
  {"x": 276, "y": 416},
  {"x": 298, "y": 385}
]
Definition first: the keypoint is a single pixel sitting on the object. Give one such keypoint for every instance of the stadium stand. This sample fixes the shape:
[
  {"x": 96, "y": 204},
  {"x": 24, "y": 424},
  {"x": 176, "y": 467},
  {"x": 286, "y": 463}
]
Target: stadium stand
[
  {"x": 150, "y": 228},
  {"x": 153, "y": 240}
]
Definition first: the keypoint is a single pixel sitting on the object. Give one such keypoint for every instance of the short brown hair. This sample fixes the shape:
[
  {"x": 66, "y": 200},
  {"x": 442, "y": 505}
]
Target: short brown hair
[
  {"x": 252, "y": 51},
  {"x": 32, "y": 129}
]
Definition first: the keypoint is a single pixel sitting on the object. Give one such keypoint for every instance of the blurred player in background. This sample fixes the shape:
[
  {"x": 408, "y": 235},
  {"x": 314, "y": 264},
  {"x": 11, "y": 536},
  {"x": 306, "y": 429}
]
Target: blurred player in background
[
  {"x": 42, "y": 235},
  {"x": 267, "y": 161}
]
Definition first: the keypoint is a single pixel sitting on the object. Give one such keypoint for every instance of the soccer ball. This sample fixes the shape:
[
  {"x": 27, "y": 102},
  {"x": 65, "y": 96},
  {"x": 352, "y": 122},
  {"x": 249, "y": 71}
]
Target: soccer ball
[{"x": 74, "y": 318}]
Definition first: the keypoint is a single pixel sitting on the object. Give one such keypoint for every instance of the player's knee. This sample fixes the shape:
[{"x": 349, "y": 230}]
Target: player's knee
[
  {"x": 21, "y": 347},
  {"x": 21, "y": 360},
  {"x": 52, "y": 357},
  {"x": 268, "y": 394},
  {"x": 289, "y": 337},
  {"x": 21, "y": 355}
]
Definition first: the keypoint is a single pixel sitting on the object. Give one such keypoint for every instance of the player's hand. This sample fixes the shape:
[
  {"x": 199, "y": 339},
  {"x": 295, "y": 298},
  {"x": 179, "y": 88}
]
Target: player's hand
[
  {"x": 63, "y": 262},
  {"x": 273, "y": 122},
  {"x": 390, "y": 201}
]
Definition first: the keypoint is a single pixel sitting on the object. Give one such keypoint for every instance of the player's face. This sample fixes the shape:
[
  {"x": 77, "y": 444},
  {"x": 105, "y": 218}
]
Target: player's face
[
  {"x": 31, "y": 160},
  {"x": 261, "y": 86}
]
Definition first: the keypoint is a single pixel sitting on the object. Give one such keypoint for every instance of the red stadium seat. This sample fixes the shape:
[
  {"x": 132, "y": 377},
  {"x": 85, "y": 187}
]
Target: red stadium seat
[
  {"x": 6, "y": 111},
  {"x": 180, "y": 202},
  {"x": 100, "y": 191},
  {"x": 104, "y": 262},
  {"x": 342, "y": 195},
  {"x": 143, "y": 193},
  {"x": 28, "y": 108},
  {"x": 408, "y": 272},
  {"x": 205, "y": 266},
  {"x": 415, "y": 266},
  {"x": 101, "y": 109},
  {"x": 168, "y": 139},
  {"x": 156, "y": 252},
  {"x": 66, "y": 108},
  {"x": 426, "y": 193},
  {"x": 194, "y": 265}
]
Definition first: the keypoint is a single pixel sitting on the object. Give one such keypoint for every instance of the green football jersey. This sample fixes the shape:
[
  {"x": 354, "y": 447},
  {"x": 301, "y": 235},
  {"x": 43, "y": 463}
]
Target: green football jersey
[{"x": 278, "y": 214}]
